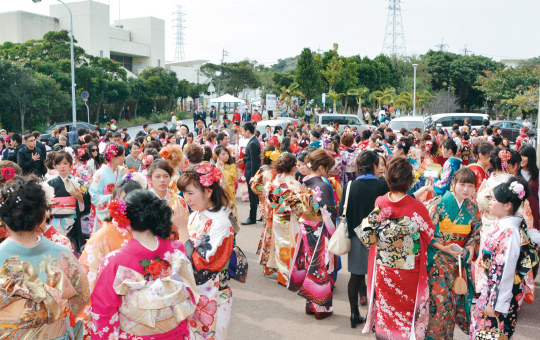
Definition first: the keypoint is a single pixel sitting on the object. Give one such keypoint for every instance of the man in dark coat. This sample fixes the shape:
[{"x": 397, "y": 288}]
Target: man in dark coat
[
  {"x": 253, "y": 163},
  {"x": 30, "y": 158},
  {"x": 196, "y": 117}
]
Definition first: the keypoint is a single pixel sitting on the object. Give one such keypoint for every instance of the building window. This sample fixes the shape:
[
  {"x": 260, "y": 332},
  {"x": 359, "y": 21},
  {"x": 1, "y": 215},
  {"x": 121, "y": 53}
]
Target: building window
[
  {"x": 101, "y": 54},
  {"x": 126, "y": 62}
]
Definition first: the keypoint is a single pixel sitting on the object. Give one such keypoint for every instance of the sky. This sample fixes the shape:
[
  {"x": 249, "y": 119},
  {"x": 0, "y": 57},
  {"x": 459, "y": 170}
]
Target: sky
[{"x": 266, "y": 31}]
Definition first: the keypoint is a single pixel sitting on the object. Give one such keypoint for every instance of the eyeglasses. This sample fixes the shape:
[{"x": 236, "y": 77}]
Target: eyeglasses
[{"x": 94, "y": 150}]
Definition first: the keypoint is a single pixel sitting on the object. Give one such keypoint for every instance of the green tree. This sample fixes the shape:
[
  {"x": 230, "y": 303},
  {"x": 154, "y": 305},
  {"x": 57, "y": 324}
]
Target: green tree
[
  {"x": 138, "y": 91},
  {"x": 308, "y": 74},
  {"x": 282, "y": 79},
  {"x": 358, "y": 94},
  {"x": 335, "y": 97},
  {"x": 332, "y": 73},
  {"x": 287, "y": 93},
  {"x": 51, "y": 98}
]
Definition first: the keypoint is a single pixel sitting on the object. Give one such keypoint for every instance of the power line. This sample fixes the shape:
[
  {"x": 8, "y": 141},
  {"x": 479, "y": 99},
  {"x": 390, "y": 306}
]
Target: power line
[
  {"x": 394, "y": 39},
  {"x": 465, "y": 50},
  {"x": 442, "y": 46}
]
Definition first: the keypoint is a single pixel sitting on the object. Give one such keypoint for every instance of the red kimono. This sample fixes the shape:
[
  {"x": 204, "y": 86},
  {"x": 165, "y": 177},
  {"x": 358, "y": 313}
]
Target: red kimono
[
  {"x": 481, "y": 174},
  {"x": 397, "y": 282}
]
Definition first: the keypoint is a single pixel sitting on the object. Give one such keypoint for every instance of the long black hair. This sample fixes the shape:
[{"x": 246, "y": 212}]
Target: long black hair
[{"x": 529, "y": 152}]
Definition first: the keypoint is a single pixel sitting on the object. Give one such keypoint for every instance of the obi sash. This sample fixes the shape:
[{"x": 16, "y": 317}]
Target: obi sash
[
  {"x": 446, "y": 226},
  {"x": 64, "y": 206}
]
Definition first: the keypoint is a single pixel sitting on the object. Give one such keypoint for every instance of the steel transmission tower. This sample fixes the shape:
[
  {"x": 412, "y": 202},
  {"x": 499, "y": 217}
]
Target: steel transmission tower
[
  {"x": 179, "y": 39},
  {"x": 394, "y": 39}
]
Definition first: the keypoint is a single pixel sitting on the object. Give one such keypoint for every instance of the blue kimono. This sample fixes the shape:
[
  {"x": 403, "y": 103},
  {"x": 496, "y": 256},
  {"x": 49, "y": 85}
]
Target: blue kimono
[
  {"x": 100, "y": 194},
  {"x": 450, "y": 167}
]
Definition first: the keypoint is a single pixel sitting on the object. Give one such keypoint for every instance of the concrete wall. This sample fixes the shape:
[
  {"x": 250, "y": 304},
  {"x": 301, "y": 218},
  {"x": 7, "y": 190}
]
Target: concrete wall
[
  {"x": 148, "y": 31},
  {"x": 19, "y": 26}
]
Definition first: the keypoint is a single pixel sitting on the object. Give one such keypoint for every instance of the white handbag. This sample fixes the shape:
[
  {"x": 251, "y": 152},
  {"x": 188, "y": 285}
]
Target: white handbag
[{"x": 340, "y": 243}]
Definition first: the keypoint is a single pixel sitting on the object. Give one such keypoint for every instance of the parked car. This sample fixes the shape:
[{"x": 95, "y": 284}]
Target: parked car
[
  {"x": 510, "y": 129},
  {"x": 409, "y": 123},
  {"x": 328, "y": 120},
  {"x": 445, "y": 121},
  {"x": 46, "y": 135}
]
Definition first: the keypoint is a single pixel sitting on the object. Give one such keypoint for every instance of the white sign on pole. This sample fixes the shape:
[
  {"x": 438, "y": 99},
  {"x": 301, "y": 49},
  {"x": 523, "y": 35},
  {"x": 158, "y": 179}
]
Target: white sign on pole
[{"x": 271, "y": 102}]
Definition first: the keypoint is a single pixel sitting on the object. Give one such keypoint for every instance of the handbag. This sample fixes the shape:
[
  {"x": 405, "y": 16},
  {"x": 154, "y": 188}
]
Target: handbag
[
  {"x": 460, "y": 284},
  {"x": 340, "y": 243},
  {"x": 491, "y": 335},
  {"x": 238, "y": 265}
]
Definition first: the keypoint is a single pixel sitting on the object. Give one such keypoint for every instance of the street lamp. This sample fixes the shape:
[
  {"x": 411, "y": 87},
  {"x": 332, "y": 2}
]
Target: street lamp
[
  {"x": 414, "y": 92},
  {"x": 73, "y": 109}
]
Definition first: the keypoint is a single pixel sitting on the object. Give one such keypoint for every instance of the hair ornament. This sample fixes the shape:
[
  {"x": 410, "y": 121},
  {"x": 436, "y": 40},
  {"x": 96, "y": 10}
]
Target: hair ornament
[
  {"x": 8, "y": 173},
  {"x": 209, "y": 174},
  {"x": 147, "y": 160},
  {"x": 149, "y": 139},
  {"x": 273, "y": 155},
  {"x": 308, "y": 165},
  {"x": 164, "y": 153},
  {"x": 80, "y": 152},
  {"x": 117, "y": 210},
  {"x": 111, "y": 151},
  {"x": 518, "y": 189},
  {"x": 70, "y": 150},
  {"x": 428, "y": 145},
  {"x": 505, "y": 156}
]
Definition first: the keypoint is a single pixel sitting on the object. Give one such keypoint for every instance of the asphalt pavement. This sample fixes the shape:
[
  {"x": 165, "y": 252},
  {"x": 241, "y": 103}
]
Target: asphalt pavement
[{"x": 263, "y": 309}]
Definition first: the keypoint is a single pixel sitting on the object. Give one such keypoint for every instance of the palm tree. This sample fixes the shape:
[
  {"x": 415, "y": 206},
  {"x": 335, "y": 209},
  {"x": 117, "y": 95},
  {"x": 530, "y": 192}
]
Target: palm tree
[
  {"x": 335, "y": 96},
  {"x": 389, "y": 95},
  {"x": 377, "y": 95},
  {"x": 358, "y": 94},
  {"x": 403, "y": 101},
  {"x": 288, "y": 93},
  {"x": 422, "y": 98}
]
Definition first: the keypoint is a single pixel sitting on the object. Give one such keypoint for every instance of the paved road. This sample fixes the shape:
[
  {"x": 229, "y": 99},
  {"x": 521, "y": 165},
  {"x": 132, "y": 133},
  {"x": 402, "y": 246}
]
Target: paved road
[{"x": 263, "y": 309}]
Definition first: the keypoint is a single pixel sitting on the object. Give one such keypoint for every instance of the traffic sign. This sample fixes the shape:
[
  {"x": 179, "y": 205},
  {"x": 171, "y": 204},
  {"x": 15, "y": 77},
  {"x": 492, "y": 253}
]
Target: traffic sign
[{"x": 85, "y": 95}]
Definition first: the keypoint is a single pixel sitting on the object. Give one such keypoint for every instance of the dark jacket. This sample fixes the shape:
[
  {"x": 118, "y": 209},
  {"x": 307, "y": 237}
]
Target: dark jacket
[
  {"x": 28, "y": 165},
  {"x": 362, "y": 198},
  {"x": 253, "y": 157},
  {"x": 11, "y": 154},
  {"x": 41, "y": 146}
]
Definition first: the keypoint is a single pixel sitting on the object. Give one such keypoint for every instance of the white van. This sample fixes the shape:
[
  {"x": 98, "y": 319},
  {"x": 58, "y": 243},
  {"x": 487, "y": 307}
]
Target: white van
[{"x": 445, "y": 121}]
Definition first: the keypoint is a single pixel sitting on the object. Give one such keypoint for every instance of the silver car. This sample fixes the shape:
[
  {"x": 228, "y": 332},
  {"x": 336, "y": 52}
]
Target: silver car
[{"x": 328, "y": 120}]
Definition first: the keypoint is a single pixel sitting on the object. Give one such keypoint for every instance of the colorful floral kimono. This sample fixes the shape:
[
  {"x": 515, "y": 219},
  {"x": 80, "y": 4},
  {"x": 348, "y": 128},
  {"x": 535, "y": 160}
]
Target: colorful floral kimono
[
  {"x": 103, "y": 242},
  {"x": 265, "y": 249},
  {"x": 450, "y": 167},
  {"x": 42, "y": 288},
  {"x": 508, "y": 257},
  {"x": 313, "y": 266},
  {"x": 209, "y": 249},
  {"x": 230, "y": 174},
  {"x": 401, "y": 232},
  {"x": 348, "y": 165},
  {"x": 171, "y": 197},
  {"x": 281, "y": 199},
  {"x": 483, "y": 197},
  {"x": 480, "y": 173},
  {"x": 67, "y": 212},
  {"x": 144, "y": 294},
  {"x": 100, "y": 191},
  {"x": 454, "y": 224},
  {"x": 83, "y": 171}
]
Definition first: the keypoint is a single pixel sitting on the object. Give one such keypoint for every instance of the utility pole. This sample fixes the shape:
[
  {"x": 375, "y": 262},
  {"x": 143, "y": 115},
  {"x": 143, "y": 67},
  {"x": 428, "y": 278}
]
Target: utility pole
[
  {"x": 198, "y": 71},
  {"x": 465, "y": 50},
  {"x": 442, "y": 46},
  {"x": 223, "y": 55},
  {"x": 179, "y": 35}
]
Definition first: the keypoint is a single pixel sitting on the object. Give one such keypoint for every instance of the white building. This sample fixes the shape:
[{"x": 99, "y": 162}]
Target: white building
[
  {"x": 189, "y": 70},
  {"x": 135, "y": 43}
]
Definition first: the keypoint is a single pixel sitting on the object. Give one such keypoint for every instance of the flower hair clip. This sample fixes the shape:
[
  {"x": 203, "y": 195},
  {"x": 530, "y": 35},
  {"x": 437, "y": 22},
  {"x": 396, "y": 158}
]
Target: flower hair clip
[
  {"x": 308, "y": 165},
  {"x": 147, "y": 160},
  {"x": 403, "y": 143},
  {"x": 518, "y": 189},
  {"x": 149, "y": 139},
  {"x": 117, "y": 210},
  {"x": 8, "y": 173},
  {"x": 80, "y": 152},
  {"x": 428, "y": 145},
  {"x": 70, "y": 150},
  {"x": 111, "y": 151},
  {"x": 273, "y": 155},
  {"x": 505, "y": 156},
  {"x": 164, "y": 153},
  {"x": 209, "y": 174}
]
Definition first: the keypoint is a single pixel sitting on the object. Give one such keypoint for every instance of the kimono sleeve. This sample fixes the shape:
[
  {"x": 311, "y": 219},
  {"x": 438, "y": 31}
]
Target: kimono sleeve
[
  {"x": 502, "y": 270},
  {"x": 99, "y": 199},
  {"x": 434, "y": 208},
  {"x": 105, "y": 303},
  {"x": 476, "y": 226},
  {"x": 442, "y": 185},
  {"x": 215, "y": 249},
  {"x": 421, "y": 217},
  {"x": 257, "y": 183},
  {"x": 483, "y": 196},
  {"x": 79, "y": 281}
]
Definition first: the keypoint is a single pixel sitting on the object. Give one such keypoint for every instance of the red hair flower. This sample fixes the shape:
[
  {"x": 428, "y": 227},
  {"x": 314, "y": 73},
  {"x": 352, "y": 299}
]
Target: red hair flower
[
  {"x": 8, "y": 173},
  {"x": 165, "y": 153},
  {"x": 117, "y": 210},
  {"x": 80, "y": 152},
  {"x": 210, "y": 174}
]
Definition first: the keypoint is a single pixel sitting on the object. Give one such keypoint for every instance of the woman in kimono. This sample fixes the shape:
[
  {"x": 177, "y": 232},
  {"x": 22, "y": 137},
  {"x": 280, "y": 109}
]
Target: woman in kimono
[
  {"x": 507, "y": 258},
  {"x": 482, "y": 153},
  {"x": 173, "y": 154},
  {"x": 280, "y": 198},
  {"x": 348, "y": 159},
  {"x": 225, "y": 163},
  {"x": 160, "y": 173},
  {"x": 146, "y": 289},
  {"x": 266, "y": 174},
  {"x": 71, "y": 200},
  {"x": 334, "y": 151},
  {"x": 449, "y": 149},
  {"x": 313, "y": 267},
  {"x": 105, "y": 179},
  {"x": 104, "y": 241},
  {"x": 43, "y": 285},
  {"x": 398, "y": 289},
  {"x": 457, "y": 227},
  {"x": 208, "y": 236}
]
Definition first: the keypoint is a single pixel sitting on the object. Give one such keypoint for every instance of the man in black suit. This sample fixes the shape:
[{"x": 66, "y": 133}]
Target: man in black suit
[
  {"x": 213, "y": 113},
  {"x": 182, "y": 138},
  {"x": 253, "y": 163},
  {"x": 39, "y": 144}
]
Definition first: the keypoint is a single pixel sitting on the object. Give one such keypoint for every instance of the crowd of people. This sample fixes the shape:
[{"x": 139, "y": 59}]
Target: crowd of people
[{"x": 113, "y": 237}]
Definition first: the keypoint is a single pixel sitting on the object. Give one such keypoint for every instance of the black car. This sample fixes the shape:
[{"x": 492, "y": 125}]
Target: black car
[
  {"x": 510, "y": 129},
  {"x": 47, "y": 133}
]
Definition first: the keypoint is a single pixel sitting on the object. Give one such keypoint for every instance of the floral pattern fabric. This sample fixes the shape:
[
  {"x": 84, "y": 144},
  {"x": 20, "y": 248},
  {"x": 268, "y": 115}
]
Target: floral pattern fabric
[
  {"x": 450, "y": 167},
  {"x": 100, "y": 192}
]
